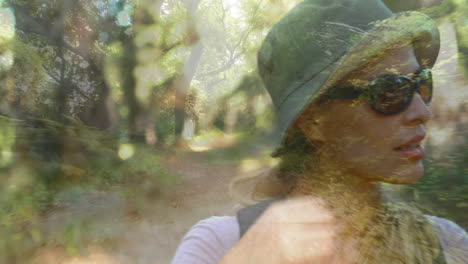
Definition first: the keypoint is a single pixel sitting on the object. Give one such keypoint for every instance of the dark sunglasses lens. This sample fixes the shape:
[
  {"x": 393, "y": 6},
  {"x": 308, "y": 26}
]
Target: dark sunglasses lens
[
  {"x": 389, "y": 94},
  {"x": 425, "y": 85}
]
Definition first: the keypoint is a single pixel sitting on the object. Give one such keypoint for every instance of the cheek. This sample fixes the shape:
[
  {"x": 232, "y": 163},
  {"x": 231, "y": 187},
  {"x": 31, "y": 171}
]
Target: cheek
[
  {"x": 365, "y": 139},
  {"x": 362, "y": 142},
  {"x": 359, "y": 151},
  {"x": 369, "y": 153},
  {"x": 356, "y": 128}
]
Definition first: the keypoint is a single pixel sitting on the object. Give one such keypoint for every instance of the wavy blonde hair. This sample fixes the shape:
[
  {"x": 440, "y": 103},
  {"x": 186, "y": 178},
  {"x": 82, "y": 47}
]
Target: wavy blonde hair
[{"x": 296, "y": 154}]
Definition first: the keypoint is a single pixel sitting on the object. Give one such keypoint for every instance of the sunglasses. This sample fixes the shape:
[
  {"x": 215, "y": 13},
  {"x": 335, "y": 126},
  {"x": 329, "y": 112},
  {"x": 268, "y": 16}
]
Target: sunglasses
[{"x": 390, "y": 93}]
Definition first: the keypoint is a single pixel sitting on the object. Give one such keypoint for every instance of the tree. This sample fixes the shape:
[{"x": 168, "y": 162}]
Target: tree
[{"x": 182, "y": 81}]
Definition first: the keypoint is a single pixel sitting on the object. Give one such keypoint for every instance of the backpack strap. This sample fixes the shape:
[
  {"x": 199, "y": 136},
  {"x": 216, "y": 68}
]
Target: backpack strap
[{"x": 247, "y": 216}]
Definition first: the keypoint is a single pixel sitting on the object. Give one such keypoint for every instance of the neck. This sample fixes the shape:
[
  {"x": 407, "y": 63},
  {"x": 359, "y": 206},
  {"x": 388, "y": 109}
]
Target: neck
[
  {"x": 352, "y": 198},
  {"x": 337, "y": 187}
]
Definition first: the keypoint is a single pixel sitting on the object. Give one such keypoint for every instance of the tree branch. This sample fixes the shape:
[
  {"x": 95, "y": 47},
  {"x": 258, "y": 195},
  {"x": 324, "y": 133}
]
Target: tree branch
[
  {"x": 233, "y": 54},
  {"x": 29, "y": 24},
  {"x": 67, "y": 81}
]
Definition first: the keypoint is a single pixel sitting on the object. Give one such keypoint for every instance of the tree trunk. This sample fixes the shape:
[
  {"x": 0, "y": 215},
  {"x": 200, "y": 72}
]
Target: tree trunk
[
  {"x": 128, "y": 65},
  {"x": 182, "y": 83}
]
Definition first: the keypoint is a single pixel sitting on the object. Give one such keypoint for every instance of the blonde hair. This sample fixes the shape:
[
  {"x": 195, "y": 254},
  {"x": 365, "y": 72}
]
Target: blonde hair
[
  {"x": 296, "y": 155},
  {"x": 250, "y": 188}
]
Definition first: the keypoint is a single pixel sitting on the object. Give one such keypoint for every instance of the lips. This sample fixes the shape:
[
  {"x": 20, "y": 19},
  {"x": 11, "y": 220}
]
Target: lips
[{"x": 412, "y": 149}]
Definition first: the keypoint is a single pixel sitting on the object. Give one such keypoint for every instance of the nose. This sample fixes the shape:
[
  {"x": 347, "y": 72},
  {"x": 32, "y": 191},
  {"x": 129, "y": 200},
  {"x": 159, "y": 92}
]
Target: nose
[{"x": 418, "y": 112}]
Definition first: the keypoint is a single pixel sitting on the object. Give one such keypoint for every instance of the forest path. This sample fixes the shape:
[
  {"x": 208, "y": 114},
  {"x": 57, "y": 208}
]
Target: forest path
[
  {"x": 153, "y": 236},
  {"x": 201, "y": 193}
]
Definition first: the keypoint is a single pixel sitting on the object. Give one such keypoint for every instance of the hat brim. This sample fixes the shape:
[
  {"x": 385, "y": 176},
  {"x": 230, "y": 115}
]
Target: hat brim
[{"x": 404, "y": 29}]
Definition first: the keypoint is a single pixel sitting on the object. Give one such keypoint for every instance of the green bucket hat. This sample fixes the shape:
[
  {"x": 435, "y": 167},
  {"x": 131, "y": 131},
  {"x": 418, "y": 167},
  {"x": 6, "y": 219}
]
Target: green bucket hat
[{"x": 321, "y": 41}]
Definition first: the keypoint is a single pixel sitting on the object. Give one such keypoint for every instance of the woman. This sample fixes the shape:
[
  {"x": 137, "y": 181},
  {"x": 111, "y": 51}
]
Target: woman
[{"x": 351, "y": 84}]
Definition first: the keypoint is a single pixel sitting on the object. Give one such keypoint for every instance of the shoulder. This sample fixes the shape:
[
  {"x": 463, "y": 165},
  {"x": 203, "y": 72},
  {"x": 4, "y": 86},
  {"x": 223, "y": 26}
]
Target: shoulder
[
  {"x": 453, "y": 239},
  {"x": 208, "y": 240},
  {"x": 448, "y": 231}
]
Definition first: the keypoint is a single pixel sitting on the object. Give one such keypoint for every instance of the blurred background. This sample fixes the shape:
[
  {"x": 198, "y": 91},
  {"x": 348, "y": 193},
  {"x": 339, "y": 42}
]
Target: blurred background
[{"x": 123, "y": 121}]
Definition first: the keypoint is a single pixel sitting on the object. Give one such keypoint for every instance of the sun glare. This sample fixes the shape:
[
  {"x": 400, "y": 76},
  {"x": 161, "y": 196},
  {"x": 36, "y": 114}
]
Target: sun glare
[
  {"x": 126, "y": 151},
  {"x": 234, "y": 8},
  {"x": 7, "y": 23}
]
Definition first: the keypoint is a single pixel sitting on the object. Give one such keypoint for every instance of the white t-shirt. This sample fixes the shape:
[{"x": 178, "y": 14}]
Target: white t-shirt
[{"x": 210, "y": 239}]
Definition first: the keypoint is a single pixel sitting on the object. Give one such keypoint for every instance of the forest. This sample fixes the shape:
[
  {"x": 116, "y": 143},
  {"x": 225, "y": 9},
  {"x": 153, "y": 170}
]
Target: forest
[{"x": 107, "y": 106}]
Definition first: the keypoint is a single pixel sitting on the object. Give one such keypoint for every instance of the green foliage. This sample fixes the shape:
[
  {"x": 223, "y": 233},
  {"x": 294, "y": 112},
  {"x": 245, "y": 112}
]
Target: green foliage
[
  {"x": 461, "y": 27},
  {"x": 166, "y": 126},
  {"x": 250, "y": 104},
  {"x": 443, "y": 189},
  {"x": 57, "y": 165},
  {"x": 443, "y": 9}
]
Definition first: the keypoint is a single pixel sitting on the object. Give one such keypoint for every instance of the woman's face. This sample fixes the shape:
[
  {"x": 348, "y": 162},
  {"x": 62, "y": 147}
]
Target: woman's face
[{"x": 359, "y": 141}]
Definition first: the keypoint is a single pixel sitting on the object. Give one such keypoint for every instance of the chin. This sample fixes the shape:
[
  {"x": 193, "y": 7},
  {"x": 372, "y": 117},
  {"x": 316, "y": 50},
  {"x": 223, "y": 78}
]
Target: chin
[
  {"x": 406, "y": 175},
  {"x": 395, "y": 173}
]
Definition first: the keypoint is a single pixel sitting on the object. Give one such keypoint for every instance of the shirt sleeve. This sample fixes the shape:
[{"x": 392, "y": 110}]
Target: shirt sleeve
[
  {"x": 208, "y": 241},
  {"x": 453, "y": 239}
]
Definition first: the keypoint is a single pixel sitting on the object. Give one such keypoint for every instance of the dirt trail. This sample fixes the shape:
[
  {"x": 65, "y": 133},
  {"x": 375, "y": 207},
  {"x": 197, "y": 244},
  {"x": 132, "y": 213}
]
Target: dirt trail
[{"x": 201, "y": 192}]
